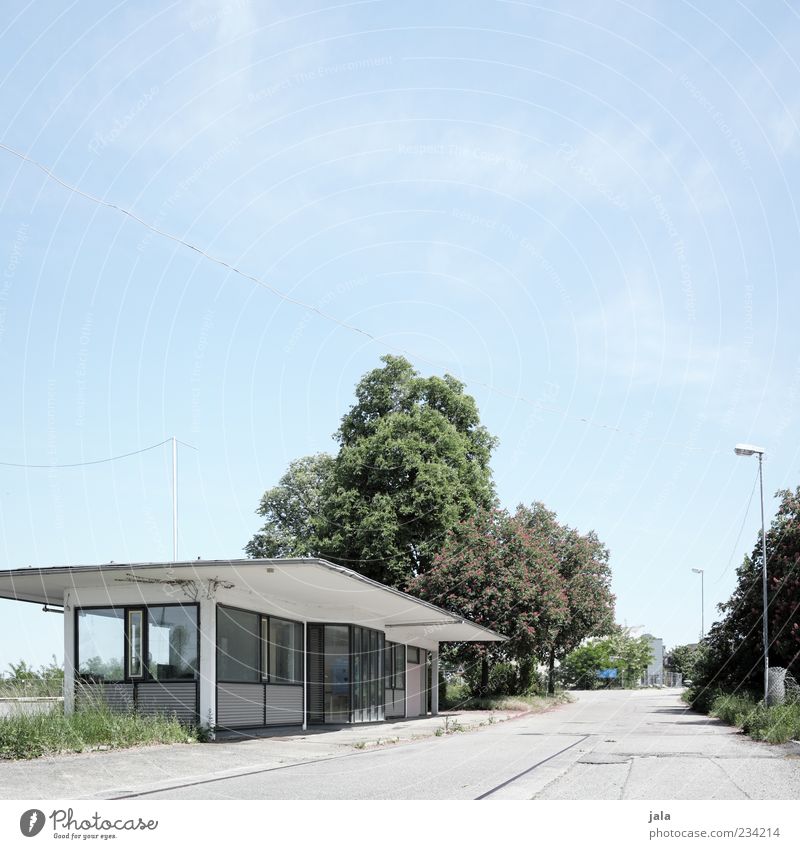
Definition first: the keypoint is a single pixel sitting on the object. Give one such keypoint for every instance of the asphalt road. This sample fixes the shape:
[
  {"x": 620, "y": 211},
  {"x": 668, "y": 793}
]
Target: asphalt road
[{"x": 607, "y": 745}]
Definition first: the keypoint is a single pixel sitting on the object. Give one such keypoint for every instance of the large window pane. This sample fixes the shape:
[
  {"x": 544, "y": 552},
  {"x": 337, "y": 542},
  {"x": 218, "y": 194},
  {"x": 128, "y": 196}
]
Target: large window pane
[
  {"x": 238, "y": 645},
  {"x": 285, "y": 652},
  {"x": 358, "y": 701},
  {"x": 101, "y": 643},
  {"x": 400, "y": 667},
  {"x": 172, "y": 642},
  {"x": 337, "y": 673}
]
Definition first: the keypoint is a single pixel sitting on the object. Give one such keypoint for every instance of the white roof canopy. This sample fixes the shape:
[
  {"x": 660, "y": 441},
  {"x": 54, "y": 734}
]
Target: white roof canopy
[{"x": 311, "y": 589}]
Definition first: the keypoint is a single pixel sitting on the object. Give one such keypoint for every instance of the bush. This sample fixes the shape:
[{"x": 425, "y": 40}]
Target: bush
[
  {"x": 503, "y": 680},
  {"x": 733, "y": 709},
  {"x": 776, "y": 724},
  {"x": 457, "y": 693},
  {"x": 701, "y": 698}
]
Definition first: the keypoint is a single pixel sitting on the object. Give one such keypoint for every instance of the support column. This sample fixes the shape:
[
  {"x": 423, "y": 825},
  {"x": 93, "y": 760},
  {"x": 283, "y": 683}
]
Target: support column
[
  {"x": 406, "y": 681},
  {"x": 208, "y": 663},
  {"x": 69, "y": 654},
  {"x": 434, "y": 683},
  {"x": 305, "y": 676}
]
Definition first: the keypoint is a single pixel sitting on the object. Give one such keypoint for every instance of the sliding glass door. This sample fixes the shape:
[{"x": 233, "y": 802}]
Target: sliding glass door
[{"x": 345, "y": 674}]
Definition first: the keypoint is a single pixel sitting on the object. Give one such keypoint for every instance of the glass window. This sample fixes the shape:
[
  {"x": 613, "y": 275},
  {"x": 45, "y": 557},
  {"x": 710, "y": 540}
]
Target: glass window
[
  {"x": 395, "y": 666},
  {"x": 171, "y": 642},
  {"x": 135, "y": 665},
  {"x": 374, "y": 683},
  {"x": 238, "y": 654},
  {"x": 400, "y": 667},
  {"x": 358, "y": 694},
  {"x": 413, "y": 654},
  {"x": 285, "y": 652},
  {"x": 337, "y": 673},
  {"x": 101, "y": 644}
]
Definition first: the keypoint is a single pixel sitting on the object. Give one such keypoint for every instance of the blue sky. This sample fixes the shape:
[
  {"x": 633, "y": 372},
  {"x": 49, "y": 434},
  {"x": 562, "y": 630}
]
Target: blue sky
[{"x": 584, "y": 211}]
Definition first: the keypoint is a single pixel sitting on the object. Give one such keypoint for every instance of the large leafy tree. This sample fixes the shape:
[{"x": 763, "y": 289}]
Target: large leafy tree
[
  {"x": 619, "y": 650},
  {"x": 413, "y": 461},
  {"x": 492, "y": 570},
  {"x": 686, "y": 660},
  {"x": 291, "y": 510},
  {"x": 581, "y": 561},
  {"x": 734, "y": 654}
]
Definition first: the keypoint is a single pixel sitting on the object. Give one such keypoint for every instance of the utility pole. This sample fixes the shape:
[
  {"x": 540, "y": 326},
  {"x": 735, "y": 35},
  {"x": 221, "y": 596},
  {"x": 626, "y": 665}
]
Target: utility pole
[{"x": 174, "y": 500}]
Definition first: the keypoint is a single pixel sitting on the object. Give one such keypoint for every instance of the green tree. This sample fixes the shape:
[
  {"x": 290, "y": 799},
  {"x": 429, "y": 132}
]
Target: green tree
[
  {"x": 582, "y": 564},
  {"x": 580, "y": 667},
  {"x": 628, "y": 655},
  {"x": 413, "y": 461},
  {"x": 734, "y": 649},
  {"x": 686, "y": 660},
  {"x": 291, "y": 510},
  {"x": 22, "y": 671},
  {"x": 493, "y": 571}
]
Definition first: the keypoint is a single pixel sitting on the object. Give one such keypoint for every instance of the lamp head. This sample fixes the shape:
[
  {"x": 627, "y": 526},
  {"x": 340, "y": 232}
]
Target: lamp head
[
  {"x": 745, "y": 450},
  {"x": 698, "y": 571}
]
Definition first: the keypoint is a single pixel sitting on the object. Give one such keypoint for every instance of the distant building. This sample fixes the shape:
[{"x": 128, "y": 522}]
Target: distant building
[{"x": 654, "y": 674}]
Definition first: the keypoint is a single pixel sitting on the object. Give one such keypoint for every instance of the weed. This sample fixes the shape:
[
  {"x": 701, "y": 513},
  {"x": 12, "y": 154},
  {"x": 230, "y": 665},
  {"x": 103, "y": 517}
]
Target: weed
[
  {"x": 34, "y": 735},
  {"x": 775, "y": 724}
]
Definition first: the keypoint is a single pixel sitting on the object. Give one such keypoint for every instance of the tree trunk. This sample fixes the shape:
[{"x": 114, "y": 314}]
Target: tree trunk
[
  {"x": 484, "y": 677},
  {"x": 551, "y": 672}
]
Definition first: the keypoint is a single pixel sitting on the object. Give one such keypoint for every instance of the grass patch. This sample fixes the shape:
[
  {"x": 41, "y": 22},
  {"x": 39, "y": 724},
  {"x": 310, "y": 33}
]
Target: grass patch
[
  {"x": 536, "y": 704},
  {"x": 34, "y": 735},
  {"x": 776, "y": 724}
]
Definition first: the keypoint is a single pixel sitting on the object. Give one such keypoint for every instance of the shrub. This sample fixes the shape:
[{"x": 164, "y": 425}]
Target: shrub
[
  {"x": 33, "y": 735},
  {"x": 503, "y": 680},
  {"x": 775, "y": 724},
  {"x": 701, "y": 698}
]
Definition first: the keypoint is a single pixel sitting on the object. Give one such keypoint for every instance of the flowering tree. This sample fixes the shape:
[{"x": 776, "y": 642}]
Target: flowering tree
[
  {"x": 494, "y": 571},
  {"x": 581, "y": 561}
]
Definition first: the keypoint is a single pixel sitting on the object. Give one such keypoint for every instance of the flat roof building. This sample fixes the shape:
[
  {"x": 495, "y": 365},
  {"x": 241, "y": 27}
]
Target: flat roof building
[{"x": 244, "y": 643}]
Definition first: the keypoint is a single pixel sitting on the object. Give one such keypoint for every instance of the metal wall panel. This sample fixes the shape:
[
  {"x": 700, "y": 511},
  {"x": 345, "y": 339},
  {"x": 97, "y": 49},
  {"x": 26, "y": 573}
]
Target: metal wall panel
[
  {"x": 395, "y": 703},
  {"x": 284, "y": 705},
  {"x": 118, "y": 697},
  {"x": 179, "y": 698},
  {"x": 240, "y": 705}
]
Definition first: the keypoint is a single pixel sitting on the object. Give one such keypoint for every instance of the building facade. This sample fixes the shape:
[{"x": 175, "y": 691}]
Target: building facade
[{"x": 244, "y": 643}]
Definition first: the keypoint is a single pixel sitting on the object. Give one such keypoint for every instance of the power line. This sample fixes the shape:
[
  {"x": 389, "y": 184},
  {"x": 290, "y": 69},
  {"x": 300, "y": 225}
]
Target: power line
[
  {"x": 328, "y": 316},
  {"x": 90, "y": 462},
  {"x": 739, "y": 535}
]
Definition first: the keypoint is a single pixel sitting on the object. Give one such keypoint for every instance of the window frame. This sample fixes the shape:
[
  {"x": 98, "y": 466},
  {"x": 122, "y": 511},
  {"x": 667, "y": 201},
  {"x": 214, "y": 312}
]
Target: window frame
[
  {"x": 265, "y": 673},
  {"x": 126, "y": 609},
  {"x": 129, "y": 647},
  {"x": 390, "y": 665}
]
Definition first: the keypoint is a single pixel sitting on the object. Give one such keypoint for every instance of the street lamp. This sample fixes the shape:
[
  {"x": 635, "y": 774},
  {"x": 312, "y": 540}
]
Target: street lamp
[
  {"x": 747, "y": 451},
  {"x": 702, "y": 603}
]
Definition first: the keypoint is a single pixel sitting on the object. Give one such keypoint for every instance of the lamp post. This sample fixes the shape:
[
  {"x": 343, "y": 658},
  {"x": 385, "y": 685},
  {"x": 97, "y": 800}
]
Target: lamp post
[
  {"x": 744, "y": 450},
  {"x": 702, "y": 603}
]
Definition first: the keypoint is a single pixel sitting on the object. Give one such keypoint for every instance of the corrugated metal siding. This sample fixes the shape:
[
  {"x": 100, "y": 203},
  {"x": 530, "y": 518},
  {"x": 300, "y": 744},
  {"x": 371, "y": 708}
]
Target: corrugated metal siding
[
  {"x": 395, "y": 703},
  {"x": 179, "y": 698},
  {"x": 117, "y": 696},
  {"x": 239, "y": 705},
  {"x": 284, "y": 705}
]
